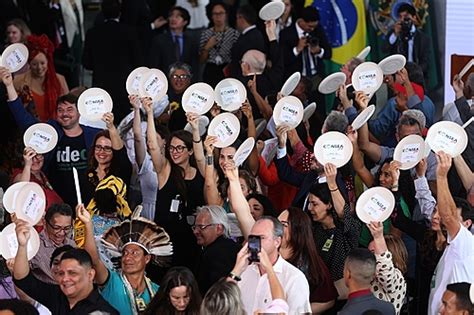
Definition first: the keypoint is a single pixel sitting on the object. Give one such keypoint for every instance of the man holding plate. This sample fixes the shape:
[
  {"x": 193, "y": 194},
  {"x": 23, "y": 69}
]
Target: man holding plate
[{"x": 73, "y": 145}]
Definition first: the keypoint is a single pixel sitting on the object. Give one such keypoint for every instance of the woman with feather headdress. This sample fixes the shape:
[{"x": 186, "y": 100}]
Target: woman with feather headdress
[{"x": 135, "y": 243}]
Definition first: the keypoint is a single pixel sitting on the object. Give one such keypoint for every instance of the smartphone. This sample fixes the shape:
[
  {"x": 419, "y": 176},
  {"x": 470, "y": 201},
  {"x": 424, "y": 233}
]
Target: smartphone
[{"x": 254, "y": 248}]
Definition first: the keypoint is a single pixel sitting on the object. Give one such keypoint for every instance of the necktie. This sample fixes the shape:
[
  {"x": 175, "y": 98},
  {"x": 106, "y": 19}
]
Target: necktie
[
  {"x": 177, "y": 47},
  {"x": 307, "y": 61}
]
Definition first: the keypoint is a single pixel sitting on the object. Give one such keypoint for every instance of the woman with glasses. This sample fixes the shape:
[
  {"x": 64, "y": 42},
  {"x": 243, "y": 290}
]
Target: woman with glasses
[
  {"x": 216, "y": 42},
  {"x": 31, "y": 172},
  {"x": 108, "y": 157},
  {"x": 180, "y": 188}
]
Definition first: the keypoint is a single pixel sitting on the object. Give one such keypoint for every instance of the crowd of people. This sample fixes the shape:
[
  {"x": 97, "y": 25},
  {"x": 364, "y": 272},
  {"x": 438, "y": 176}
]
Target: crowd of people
[{"x": 169, "y": 224}]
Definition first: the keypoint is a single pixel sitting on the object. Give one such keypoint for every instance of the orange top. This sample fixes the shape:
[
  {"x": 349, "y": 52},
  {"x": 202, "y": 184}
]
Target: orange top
[{"x": 40, "y": 102}]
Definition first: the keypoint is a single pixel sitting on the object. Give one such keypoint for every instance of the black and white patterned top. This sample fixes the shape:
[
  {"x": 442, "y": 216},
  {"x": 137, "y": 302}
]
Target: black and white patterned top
[
  {"x": 389, "y": 284},
  {"x": 220, "y": 53},
  {"x": 334, "y": 244}
]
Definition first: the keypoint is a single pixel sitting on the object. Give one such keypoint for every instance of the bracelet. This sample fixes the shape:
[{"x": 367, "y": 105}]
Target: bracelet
[
  {"x": 333, "y": 190},
  {"x": 210, "y": 160},
  {"x": 196, "y": 141},
  {"x": 234, "y": 277}
]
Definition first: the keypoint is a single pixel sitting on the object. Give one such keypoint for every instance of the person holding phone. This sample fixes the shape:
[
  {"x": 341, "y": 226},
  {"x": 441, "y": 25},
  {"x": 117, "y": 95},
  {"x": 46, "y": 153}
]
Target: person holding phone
[{"x": 252, "y": 273}]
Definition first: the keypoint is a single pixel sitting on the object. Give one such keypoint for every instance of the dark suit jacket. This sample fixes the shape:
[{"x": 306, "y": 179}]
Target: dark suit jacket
[
  {"x": 289, "y": 40},
  {"x": 215, "y": 262},
  {"x": 112, "y": 51},
  {"x": 253, "y": 39},
  {"x": 162, "y": 52},
  {"x": 421, "y": 47},
  {"x": 360, "y": 304}
]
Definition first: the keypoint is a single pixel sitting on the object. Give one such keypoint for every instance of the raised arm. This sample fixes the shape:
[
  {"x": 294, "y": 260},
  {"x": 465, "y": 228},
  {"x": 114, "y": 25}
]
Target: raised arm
[
  {"x": 193, "y": 120},
  {"x": 7, "y": 79},
  {"x": 101, "y": 272},
  {"x": 211, "y": 192},
  {"x": 156, "y": 150},
  {"x": 372, "y": 150},
  {"x": 464, "y": 172},
  {"x": 263, "y": 107},
  {"x": 376, "y": 229},
  {"x": 117, "y": 142},
  {"x": 275, "y": 286},
  {"x": 24, "y": 176},
  {"x": 338, "y": 201},
  {"x": 446, "y": 206},
  {"x": 423, "y": 193},
  {"x": 252, "y": 160},
  {"x": 357, "y": 160},
  {"x": 21, "y": 268},
  {"x": 138, "y": 139},
  {"x": 238, "y": 202}
]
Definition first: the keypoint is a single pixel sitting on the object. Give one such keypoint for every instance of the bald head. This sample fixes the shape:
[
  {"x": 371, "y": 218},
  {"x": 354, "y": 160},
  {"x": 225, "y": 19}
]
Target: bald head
[{"x": 255, "y": 61}]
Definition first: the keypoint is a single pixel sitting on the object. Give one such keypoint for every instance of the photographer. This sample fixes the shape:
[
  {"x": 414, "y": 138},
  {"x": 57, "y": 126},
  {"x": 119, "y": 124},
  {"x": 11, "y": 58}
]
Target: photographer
[
  {"x": 304, "y": 45},
  {"x": 406, "y": 39}
]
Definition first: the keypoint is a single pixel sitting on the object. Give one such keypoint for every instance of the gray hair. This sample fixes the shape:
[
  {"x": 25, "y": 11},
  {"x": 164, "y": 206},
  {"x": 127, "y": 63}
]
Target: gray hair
[
  {"x": 179, "y": 66},
  {"x": 408, "y": 116},
  {"x": 335, "y": 121},
  {"x": 353, "y": 63},
  {"x": 255, "y": 59},
  {"x": 277, "y": 226},
  {"x": 218, "y": 216}
]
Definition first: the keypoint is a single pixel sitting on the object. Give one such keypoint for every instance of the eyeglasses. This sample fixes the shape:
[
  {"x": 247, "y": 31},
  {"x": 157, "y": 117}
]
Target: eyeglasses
[
  {"x": 106, "y": 149},
  {"x": 285, "y": 223},
  {"x": 178, "y": 148},
  {"x": 56, "y": 229},
  {"x": 202, "y": 227},
  {"x": 181, "y": 76}
]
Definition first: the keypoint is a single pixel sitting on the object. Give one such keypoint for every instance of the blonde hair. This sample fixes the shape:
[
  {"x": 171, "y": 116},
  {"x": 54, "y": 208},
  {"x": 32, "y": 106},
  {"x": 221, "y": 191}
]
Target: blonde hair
[
  {"x": 22, "y": 26},
  {"x": 399, "y": 252}
]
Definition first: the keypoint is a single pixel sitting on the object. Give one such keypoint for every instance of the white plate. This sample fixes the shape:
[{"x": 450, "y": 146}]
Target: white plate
[
  {"x": 409, "y": 151},
  {"x": 363, "y": 117},
  {"x": 9, "y": 242},
  {"x": 269, "y": 150},
  {"x": 203, "y": 122},
  {"x": 466, "y": 68},
  {"x": 367, "y": 77},
  {"x": 261, "y": 125},
  {"x": 226, "y": 127},
  {"x": 93, "y": 103},
  {"x": 392, "y": 64},
  {"x": 309, "y": 111},
  {"x": 229, "y": 94},
  {"x": 41, "y": 137},
  {"x": 133, "y": 80},
  {"x": 427, "y": 150},
  {"x": 9, "y": 198},
  {"x": 271, "y": 127},
  {"x": 375, "y": 204},
  {"x": 153, "y": 84},
  {"x": 272, "y": 10},
  {"x": 363, "y": 53},
  {"x": 244, "y": 151},
  {"x": 14, "y": 57},
  {"x": 332, "y": 82},
  {"x": 290, "y": 84},
  {"x": 447, "y": 136},
  {"x": 333, "y": 147},
  {"x": 30, "y": 203},
  {"x": 198, "y": 98},
  {"x": 289, "y": 111}
]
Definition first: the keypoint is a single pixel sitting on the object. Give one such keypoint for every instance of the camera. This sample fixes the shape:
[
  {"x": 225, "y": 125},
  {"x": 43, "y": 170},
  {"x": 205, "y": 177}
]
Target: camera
[
  {"x": 254, "y": 248},
  {"x": 407, "y": 24},
  {"x": 312, "y": 40}
]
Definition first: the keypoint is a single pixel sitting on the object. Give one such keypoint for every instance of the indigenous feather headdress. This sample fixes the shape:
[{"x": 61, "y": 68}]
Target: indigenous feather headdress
[{"x": 142, "y": 232}]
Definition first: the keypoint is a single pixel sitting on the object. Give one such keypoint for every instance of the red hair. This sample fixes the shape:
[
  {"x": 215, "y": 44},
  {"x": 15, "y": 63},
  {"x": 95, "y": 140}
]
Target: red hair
[{"x": 51, "y": 86}]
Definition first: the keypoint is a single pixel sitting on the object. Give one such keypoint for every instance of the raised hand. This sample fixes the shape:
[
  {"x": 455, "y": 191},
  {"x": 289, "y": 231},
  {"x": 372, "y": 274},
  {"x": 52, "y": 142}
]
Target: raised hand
[
  {"x": 22, "y": 229},
  {"x": 193, "y": 120},
  {"x": 209, "y": 144},
  {"x": 108, "y": 118},
  {"x": 231, "y": 171},
  {"x": 247, "y": 109},
  {"x": 147, "y": 104},
  {"x": 28, "y": 155},
  {"x": 421, "y": 168},
  {"x": 376, "y": 229},
  {"x": 134, "y": 101},
  {"x": 83, "y": 215},
  {"x": 330, "y": 170},
  {"x": 352, "y": 134},
  {"x": 444, "y": 164},
  {"x": 6, "y": 76},
  {"x": 361, "y": 99},
  {"x": 282, "y": 134}
]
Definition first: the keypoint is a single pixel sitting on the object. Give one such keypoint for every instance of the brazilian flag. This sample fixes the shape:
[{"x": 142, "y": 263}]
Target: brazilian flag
[{"x": 344, "y": 22}]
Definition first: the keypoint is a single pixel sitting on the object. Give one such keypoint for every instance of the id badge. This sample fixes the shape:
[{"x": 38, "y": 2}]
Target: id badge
[
  {"x": 174, "y": 205},
  {"x": 327, "y": 245},
  {"x": 219, "y": 60}
]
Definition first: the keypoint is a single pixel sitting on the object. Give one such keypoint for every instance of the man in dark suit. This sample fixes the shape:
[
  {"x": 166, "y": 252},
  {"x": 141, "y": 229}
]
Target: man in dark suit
[
  {"x": 407, "y": 40},
  {"x": 305, "y": 45},
  {"x": 250, "y": 38},
  {"x": 175, "y": 44},
  {"x": 359, "y": 271},
  {"x": 112, "y": 51},
  {"x": 219, "y": 252}
]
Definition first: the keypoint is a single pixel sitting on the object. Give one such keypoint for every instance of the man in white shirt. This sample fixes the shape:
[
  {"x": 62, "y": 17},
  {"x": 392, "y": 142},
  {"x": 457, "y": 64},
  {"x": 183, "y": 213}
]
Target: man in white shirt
[
  {"x": 457, "y": 262},
  {"x": 253, "y": 282}
]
